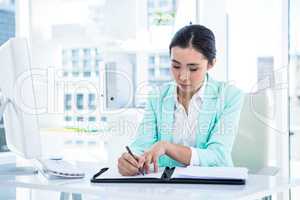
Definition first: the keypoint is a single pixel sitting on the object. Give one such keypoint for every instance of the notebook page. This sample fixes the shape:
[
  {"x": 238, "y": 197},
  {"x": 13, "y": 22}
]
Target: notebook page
[{"x": 211, "y": 172}]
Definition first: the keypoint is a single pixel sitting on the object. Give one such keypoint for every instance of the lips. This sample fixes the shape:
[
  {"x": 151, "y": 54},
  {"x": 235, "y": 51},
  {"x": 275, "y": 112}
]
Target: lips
[{"x": 183, "y": 85}]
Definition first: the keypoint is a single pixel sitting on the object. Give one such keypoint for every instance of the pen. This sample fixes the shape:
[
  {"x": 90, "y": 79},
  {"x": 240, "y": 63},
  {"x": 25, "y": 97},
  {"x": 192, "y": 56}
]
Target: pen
[{"x": 129, "y": 151}]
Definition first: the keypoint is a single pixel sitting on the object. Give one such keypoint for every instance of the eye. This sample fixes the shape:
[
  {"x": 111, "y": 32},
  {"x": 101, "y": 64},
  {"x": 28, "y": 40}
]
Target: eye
[
  {"x": 176, "y": 66},
  {"x": 193, "y": 69}
]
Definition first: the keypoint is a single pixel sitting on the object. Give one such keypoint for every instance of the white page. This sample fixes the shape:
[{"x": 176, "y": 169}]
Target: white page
[
  {"x": 113, "y": 173},
  {"x": 211, "y": 172}
]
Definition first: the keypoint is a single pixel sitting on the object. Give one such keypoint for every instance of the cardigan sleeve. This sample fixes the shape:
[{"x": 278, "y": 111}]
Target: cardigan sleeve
[
  {"x": 147, "y": 130},
  {"x": 217, "y": 151}
]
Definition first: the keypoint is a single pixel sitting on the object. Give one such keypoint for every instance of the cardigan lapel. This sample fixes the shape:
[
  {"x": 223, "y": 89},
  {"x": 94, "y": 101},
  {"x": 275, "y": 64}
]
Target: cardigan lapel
[
  {"x": 208, "y": 110},
  {"x": 167, "y": 114}
]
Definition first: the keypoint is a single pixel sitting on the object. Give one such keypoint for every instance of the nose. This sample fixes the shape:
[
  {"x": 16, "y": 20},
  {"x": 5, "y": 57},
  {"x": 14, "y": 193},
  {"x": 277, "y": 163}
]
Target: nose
[{"x": 184, "y": 75}]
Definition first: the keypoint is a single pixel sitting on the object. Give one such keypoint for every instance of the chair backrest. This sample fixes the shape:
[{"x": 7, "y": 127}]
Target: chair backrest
[{"x": 251, "y": 147}]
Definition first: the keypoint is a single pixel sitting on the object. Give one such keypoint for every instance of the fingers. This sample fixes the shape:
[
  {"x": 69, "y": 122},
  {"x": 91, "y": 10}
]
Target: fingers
[
  {"x": 148, "y": 161},
  {"x": 155, "y": 164},
  {"x": 141, "y": 161},
  {"x": 150, "y": 158},
  {"x": 130, "y": 159},
  {"x": 126, "y": 168},
  {"x": 123, "y": 171}
]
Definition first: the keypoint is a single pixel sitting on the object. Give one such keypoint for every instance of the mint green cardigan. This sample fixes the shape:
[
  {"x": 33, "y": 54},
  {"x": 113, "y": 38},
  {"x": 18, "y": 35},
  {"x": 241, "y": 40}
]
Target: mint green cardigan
[{"x": 216, "y": 129}]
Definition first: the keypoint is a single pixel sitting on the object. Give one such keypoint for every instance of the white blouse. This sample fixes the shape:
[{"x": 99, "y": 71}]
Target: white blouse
[{"x": 185, "y": 123}]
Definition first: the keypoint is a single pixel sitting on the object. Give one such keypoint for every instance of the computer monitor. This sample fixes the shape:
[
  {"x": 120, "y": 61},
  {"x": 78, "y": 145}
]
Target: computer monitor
[{"x": 18, "y": 99}]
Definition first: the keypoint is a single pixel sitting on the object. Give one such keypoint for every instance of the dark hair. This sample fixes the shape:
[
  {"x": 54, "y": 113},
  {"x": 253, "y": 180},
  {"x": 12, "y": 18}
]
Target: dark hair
[{"x": 197, "y": 36}]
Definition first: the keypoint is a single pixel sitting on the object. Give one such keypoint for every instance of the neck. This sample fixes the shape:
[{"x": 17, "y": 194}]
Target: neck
[{"x": 185, "y": 96}]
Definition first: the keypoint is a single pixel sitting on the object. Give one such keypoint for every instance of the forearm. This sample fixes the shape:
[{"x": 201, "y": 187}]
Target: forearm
[{"x": 178, "y": 152}]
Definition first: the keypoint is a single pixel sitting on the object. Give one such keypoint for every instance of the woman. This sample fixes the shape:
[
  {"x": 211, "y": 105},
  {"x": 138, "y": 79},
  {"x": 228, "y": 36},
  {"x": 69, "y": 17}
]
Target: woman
[{"x": 190, "y": 122}]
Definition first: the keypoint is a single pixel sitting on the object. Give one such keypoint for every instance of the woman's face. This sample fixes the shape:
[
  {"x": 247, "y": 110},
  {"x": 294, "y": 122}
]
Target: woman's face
[{"x": 188, "y": 68}]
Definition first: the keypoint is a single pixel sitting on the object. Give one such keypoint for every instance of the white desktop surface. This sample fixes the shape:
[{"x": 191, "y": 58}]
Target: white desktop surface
[{"x": 257, "y": 186}]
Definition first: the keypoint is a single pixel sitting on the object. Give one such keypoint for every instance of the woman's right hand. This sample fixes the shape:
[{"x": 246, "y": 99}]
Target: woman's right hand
[{"x": 127, "y": 165}]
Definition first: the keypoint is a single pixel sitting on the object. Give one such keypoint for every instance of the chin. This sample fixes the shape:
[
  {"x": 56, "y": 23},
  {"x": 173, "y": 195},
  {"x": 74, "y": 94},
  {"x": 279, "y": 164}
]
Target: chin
[{"x": 186, "y": 88}]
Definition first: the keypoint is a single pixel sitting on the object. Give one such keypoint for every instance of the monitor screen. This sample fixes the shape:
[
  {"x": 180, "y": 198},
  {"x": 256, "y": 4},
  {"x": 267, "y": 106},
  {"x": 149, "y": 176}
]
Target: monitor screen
[{"x": 20, "y": 119}]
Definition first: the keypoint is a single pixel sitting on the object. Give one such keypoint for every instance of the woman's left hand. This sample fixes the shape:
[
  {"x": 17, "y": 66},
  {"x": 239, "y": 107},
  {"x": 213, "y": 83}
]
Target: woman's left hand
[{"x": 152, "y": 156}]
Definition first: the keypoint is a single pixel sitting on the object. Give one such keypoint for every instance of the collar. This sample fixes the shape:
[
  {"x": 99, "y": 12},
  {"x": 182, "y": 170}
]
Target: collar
[
  {"x": 211, "y": 90},
  {"x": 197, "y": 96}
]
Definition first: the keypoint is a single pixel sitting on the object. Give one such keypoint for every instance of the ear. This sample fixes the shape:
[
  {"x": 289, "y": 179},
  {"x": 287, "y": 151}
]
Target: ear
[{"x": 211, "y": 65}]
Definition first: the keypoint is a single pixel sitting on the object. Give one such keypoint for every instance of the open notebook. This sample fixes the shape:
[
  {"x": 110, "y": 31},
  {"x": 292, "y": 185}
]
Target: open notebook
[{"x": 193, "y": 174}]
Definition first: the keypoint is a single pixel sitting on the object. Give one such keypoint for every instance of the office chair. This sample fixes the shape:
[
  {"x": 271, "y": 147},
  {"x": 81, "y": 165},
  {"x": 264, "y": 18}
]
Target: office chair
[{"x": 252, "y": 144}]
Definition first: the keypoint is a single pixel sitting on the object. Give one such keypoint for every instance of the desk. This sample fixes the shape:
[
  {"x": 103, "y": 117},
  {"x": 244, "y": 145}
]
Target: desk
[{"x": 257, "y": 186}]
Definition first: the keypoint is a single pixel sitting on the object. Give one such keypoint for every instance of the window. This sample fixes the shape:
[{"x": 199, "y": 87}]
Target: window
[
  {"x": 151, "y": 68},
  {"x": 75, "y": 68},
  {"x": 164, "y": 61},
  {"x": 294, "y": 93},
  {"x": 85, "y": 63},
  {"x": 95, "y": 36},
  {"x": 80, "y": 119},
  {"x": 151, "y": 61},
  {"x": 68, "y": 102},
  {"x": 103, "y": 119},
  {"x": 87, "y": 73},
  {"x": 87, "y": 60},
  {"x": 87, "y": 68},
  {"x": 68, "y": 118},
  {"x": 3, "y": 146},
  {"x": 265, "y": 72},
  {"x": 97, "y": 66},
  {"x": 65, "y": 62},
  {"x": 92, "y": 119},
  {"x": 92, "y": 102},
  {"x": 65, "y": 73},
  {"x": 75, "y": 54},
  {"x": 87, "y": 53},
  {"x": 159, "y": 69},
  {"x": 7, "y": 21},
  {"x": 79, "y": 101},
  {"x": 164, "y": 3},
  {"x": 75, "y": 64},
  {"x": 7, "y": 30},
  {"x": 164, "y": 67},
  {"x": 97, "y": 51},
  {"x": 261, "y": 57},
  {"x": 65, "y": 57},
  {"x": 161, "y": 12},
  {"x": 150, "y": 5}
]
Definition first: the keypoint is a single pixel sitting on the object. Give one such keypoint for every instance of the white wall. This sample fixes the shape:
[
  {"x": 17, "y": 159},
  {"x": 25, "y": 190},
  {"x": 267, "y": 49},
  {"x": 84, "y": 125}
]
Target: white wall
[{"x": 212, "y": 14}]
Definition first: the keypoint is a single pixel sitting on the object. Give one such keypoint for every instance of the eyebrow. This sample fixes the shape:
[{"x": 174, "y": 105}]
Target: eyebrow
[
  {"x": 193, "y": 64},
  {"x": 189, "y": 64},
  {"x": 173, "y": 60}
]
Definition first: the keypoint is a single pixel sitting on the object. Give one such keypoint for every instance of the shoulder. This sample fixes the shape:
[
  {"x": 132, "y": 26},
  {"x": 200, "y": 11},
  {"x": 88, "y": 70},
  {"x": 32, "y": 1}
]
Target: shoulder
[
  {"x": 228, "y": 92},
  {"x": 161, "y": 93},
  {"x": 231, "y": 91}
]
